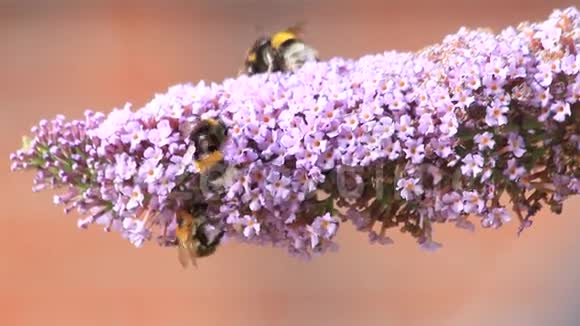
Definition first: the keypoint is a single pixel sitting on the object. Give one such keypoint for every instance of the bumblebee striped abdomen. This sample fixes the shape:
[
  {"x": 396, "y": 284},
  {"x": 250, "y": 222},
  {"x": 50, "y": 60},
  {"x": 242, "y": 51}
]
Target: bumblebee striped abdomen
[{"x": 293, "y": 54}]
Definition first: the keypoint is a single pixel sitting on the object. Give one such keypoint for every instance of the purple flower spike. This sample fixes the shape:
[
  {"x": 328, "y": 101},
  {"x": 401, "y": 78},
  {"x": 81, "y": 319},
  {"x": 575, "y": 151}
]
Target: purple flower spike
[{"x": 392, "y": 140}]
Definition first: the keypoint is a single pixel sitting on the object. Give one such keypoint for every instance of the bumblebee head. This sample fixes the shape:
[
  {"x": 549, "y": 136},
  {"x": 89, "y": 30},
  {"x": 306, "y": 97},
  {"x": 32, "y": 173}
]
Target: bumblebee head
[
  {"x": 208, "y": 136},
  {"x": 257, "y": 49},
  {"x": 259, "y": 57}
]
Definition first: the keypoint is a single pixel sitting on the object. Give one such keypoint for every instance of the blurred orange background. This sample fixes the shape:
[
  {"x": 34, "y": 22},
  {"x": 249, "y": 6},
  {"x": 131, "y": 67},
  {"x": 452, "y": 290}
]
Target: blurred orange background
[{"x": 65, "y": 56}]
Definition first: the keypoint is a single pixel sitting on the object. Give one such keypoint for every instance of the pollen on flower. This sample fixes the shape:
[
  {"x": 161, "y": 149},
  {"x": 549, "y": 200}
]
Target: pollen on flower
[{"x": 392, "y": 141}]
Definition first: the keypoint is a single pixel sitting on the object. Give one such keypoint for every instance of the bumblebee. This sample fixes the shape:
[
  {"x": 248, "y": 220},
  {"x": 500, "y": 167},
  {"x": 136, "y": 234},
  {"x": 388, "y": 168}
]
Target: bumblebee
[
  {"x": 194, "y": 236},
  {"x": 283, "y": 51},
  {"x": 207, "y": 138}
]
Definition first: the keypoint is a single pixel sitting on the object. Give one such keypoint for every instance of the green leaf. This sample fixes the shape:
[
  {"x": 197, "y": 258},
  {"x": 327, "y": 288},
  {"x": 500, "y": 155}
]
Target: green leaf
[
  {"x": 532, "y": 139},
  {"x": 533, "y": 157},
  {"x": 466, "y": 133},
  {"x": 386, "y": 195},
  {"x": 512, "y": 127},
  {"x": 531, "y": 123}
]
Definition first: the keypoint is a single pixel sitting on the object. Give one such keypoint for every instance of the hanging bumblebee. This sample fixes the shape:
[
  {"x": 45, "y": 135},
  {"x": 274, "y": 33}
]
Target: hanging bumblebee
[
  {"x": 194, "y": 236},
  {"x": 283, "y": 51}
]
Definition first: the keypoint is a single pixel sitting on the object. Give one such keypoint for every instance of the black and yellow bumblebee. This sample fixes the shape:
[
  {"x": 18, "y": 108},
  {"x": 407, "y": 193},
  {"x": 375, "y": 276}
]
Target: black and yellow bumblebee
[
  {"x": 282, "y": 51},
  {"x": 208, "y": 137},
  {"x": 194, "y": 235}
]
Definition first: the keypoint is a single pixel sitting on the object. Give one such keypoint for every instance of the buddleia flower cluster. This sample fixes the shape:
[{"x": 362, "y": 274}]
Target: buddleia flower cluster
[{"x": 481, "y": 129}]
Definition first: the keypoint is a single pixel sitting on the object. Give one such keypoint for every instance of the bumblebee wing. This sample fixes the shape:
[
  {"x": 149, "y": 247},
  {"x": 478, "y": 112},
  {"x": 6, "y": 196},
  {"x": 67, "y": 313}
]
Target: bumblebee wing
[
  {"x": 186, "y": 128},
  {"x": 183, "y": 256},
  {"x": 187, "y": 157},
  {"x": 192, "y": 256},
  {"x": 268, "y": 57},
  {"x": 186, "y": 255},
  {"x": 226, "y": 179},
  {"x": 298, "y": 28}
]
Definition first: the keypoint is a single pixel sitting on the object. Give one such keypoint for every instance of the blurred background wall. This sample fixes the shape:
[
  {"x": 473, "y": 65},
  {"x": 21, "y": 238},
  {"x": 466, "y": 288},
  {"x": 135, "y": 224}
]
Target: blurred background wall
[{"x": 65, "y": 56}]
